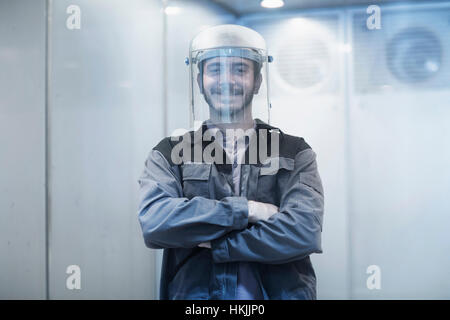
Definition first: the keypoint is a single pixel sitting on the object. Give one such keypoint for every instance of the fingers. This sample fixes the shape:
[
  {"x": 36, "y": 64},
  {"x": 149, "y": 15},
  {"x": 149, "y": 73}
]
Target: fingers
[{"x": 205, "y": 245}]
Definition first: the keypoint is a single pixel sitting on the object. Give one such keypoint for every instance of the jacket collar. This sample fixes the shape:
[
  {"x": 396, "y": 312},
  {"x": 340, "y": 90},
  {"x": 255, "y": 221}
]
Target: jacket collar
[{"x": 198, "y": 134}]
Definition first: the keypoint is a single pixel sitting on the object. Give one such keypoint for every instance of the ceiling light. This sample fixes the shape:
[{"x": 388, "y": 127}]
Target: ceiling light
[
  {"x": 172, "y": 10},
  {"x": 272, "y": 3}
]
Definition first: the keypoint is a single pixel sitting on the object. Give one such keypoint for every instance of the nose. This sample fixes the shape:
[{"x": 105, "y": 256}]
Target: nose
[
  {"x": 227, "y": 73},
  {"x": 227, "y": 77}
]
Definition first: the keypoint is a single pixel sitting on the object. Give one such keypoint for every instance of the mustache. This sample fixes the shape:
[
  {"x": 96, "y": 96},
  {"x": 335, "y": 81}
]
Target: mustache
[{"x": 227, "y": 90}]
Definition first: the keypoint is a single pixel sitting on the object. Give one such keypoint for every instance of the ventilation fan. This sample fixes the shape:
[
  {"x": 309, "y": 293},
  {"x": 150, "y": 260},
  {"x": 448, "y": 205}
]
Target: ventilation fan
[
  {"x": 304, "y": 56},
  {"x": 414, "y": 55},
  {"x": 303, "y": 62},
  {"x": 411, "y": 51}
]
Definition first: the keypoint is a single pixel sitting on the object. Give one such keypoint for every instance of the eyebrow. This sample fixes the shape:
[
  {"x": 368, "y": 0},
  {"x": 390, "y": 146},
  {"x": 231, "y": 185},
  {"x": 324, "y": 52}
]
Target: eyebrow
[
  {"x": 213, "y": 65},
  {"x": 234, "y": 64}
]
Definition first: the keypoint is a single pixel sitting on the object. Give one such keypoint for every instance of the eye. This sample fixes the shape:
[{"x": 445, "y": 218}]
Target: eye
[
  {"x": 240, "y": 69},
  {"x": 213, "y": 69}
]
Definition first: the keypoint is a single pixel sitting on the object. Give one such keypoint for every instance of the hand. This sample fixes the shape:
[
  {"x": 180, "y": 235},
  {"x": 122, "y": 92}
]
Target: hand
[
  {"x": 260, "y": 211},
  {"x": 205, "y": 245}
]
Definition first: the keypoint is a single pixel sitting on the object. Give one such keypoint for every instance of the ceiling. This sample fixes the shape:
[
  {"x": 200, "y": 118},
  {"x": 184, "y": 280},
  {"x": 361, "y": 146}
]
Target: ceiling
[{"x": 241, "y": 7}]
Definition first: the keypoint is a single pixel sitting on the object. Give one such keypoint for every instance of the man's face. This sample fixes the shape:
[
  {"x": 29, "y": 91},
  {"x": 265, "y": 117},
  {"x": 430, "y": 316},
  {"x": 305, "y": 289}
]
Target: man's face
[{"x": 229, "y": 83}]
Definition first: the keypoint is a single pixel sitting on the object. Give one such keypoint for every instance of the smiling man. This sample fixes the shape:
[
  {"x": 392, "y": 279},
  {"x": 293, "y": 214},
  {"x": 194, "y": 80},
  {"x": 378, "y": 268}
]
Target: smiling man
[
  {"x": 243, "y": 229},
  {"x": 228, "y": 86}
]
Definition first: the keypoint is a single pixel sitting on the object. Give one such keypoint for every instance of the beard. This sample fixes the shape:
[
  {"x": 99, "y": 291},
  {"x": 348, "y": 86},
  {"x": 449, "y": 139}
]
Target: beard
[{"x": 228, "y": 105}]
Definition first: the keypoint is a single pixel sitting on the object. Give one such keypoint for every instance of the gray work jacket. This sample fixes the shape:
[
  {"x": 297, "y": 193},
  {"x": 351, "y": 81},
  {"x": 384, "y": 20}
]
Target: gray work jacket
[{"x": 188, "y": 203}]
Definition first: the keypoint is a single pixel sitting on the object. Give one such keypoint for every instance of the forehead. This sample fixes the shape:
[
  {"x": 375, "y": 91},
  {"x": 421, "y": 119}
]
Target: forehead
[{"x": 229, "y": 60}]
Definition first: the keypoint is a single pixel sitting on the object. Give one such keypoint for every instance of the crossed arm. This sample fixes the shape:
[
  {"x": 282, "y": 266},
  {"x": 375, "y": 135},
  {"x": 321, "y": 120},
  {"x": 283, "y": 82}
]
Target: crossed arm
[
  {"x": 169, "y": 220},
  {"x": 257, "y": 211}
]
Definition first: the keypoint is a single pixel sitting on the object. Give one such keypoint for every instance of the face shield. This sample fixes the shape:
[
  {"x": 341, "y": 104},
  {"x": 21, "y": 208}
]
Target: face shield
[{"x": 228, "y": 76}]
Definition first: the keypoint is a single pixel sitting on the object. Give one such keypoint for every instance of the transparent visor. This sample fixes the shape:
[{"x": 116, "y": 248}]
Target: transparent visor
[{"x": 229, "y": 86}]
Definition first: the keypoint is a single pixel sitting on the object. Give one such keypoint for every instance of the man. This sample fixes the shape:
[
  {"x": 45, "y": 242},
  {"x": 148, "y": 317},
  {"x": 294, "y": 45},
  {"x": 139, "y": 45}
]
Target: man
[{"x": 232, "y": 227}]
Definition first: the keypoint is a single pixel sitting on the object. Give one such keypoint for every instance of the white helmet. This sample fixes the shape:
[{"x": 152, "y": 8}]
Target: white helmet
[{"x": 229, "y": 75}]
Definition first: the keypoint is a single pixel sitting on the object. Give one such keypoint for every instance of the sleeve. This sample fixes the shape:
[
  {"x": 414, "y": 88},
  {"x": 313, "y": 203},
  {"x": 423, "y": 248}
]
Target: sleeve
[
  {"x": 291, "y": 234},
  {"x": 169, "y": 220}
]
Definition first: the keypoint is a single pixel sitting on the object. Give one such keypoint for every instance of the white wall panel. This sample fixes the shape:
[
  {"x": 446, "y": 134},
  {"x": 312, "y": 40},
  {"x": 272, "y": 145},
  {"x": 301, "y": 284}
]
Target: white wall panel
[
  {"x": 105, "y": 116},
  {"x": 399, "y": 160},
  {"x": 22, "y": 153}
]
